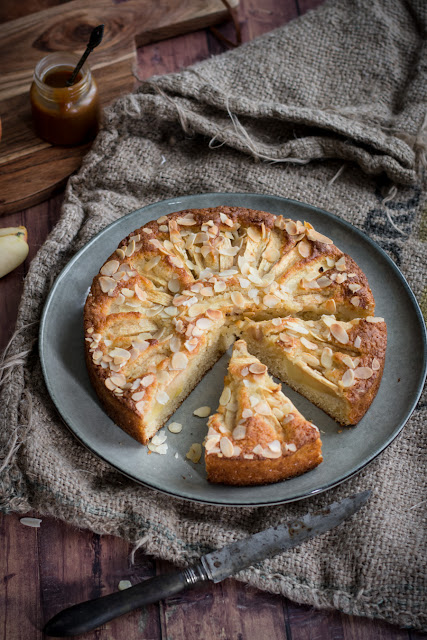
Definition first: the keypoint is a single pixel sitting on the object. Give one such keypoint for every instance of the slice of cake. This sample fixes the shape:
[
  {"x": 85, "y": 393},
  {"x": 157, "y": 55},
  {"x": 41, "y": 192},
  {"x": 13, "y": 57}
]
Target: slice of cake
[
  {"x": 257, "y": 435},
  {"x": 337, "y": 365}
]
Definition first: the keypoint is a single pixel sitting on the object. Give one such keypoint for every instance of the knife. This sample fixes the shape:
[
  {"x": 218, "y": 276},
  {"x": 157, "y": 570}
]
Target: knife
[{"x": 215, "y": 566}]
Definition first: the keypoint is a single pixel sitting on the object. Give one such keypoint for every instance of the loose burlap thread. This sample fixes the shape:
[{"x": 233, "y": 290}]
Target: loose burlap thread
[{"x": 330, "y": 110}]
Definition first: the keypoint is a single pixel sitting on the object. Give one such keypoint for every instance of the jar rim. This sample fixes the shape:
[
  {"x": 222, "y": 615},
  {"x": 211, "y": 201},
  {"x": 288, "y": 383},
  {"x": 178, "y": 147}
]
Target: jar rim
[{"x": 61, "y": 59}]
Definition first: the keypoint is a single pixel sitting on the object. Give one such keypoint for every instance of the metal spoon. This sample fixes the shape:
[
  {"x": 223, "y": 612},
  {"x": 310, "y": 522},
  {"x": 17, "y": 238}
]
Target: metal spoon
[{"x": 94, "y": 41}]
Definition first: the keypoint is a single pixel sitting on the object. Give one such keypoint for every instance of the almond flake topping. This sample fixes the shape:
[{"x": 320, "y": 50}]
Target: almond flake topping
[
  {"x": 244, "y": 371},
  {"x": 107, "y": 284},
  {"x": 374, "y": 320},
  {"x": 220, "y": 286},
  {"x": 270, "y": 301},
  {"x": 323, "y": 282},
  {"x": 311, "y": 360},
  {"x": 375, "y": 364},
  {"x": 291, "y": 228},
  {"x": 109, "y": 384},
  {"x": 315, "y": 236},
  {"x": 186, "y": 221},
  {"x": 212, "y": 441},
  {"x": 348, "y": 362},
  {"x": 339, "y": 333},
  {"x": 162, "y": 397},
  {"x": 204, "y": 323},
  {"x": 175, "y": 344},
  {"x": 174, "y": 285},
  {"x": 304, "y": 249},
  {"x": 140, "y": 406},
  {"x": 110, "y": 268},
  {"x": 277, "y": 322},
  {"x": 179, "y": 360},
  {"x": 120, "y": 253},
  {"x": 202, "y": 412},
  {"x": 239, "y": 432},
  {"x": 225, "y": 396},
  {"x": 247, "y": 413},
  {"x": 354, "y": 287},
  {"x": 138, "y": 396},
  {"x": 214, "y": 314},
  {"x": 355, "y": 301},
  {"x": 348, "y": 378},
  {"x": 140, "y": 293},
  {"x": 237, "y": 298},
  {"x": 357, "y": 342},
  {"x": 257, "y": 368},
  {"x": 207, "y": 292},
  {"x": 147, "y": 380},
  {"x": 262, "y": 408},
  {"x": 291, "y": 447},
  {"x": 275, "y": 446},
  {"x": 308, "y": 344},
  {"x": 128, "y": 293},
  {"x": 226, "y": 447},
  {"x": 363, "y": 373},
  {"x": 340, "y": 264}
]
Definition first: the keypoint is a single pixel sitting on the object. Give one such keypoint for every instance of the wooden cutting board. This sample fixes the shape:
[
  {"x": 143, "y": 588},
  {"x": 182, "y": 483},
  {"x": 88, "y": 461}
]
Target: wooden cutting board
[{"x": 31, "y": 170}]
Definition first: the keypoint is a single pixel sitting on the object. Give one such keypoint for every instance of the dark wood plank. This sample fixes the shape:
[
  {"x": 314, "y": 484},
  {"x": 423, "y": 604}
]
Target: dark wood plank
[
  {"x": 225, "y": 610},
  {"x": 20, "y": 606}
]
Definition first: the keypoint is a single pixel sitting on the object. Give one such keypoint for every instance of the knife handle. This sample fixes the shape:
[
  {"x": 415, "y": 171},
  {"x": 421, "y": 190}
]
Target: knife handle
[{"x": 89, "y": 615}]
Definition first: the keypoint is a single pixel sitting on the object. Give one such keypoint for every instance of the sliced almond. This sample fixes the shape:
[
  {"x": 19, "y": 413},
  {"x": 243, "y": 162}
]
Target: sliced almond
[
  {"x": 355, "y": 301},
  {"x": 139, "y": 406},
  {"x": 270, "y": 301},
  {"x": 315, "y": 236},
  {"x": 239, "y": 432},
  {"x": 225, "y": 396},
  {"x": 374, "y": 320},
  {"x": 110, "y": 268},
  {"x": 226, "y": 447},
  {"x": 179, "y": 361},
  {"x": 237, "y": 298},
  {"x": 147, "y": 380},
  {"x": 204, "y": 323},
  {"x": 214, "y": 314},
  {"x": 202, "y": 412},
  {"x": 375, "y": 364},
  {"x": 258, "y": 368},
  {"x": 339, "y": 333},
  {"x": 262, "y": 408},
  {"x": 307, "y": 344},
  {"x": 357, "y": 342},
  {"x": 354, "y": 287},
  {"x": 310, "y": 359},
  {"x": 138, "y": 396},
  {"x": 340, "y": 264},
  {"x": 107, "y": 284},
  {"x": 140, "y": 293},
  {"x": 304, "y": 249},
  {"x": 247, "y": 413},
  {"x": 348, "y": 378},
  {"x": 363, "y": 373},
  {"x": 162, "y": 397}
]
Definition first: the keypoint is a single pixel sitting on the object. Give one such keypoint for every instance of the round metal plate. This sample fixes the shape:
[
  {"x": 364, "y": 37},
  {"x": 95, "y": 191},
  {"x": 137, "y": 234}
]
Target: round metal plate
[{"x": 346, "y": 451}]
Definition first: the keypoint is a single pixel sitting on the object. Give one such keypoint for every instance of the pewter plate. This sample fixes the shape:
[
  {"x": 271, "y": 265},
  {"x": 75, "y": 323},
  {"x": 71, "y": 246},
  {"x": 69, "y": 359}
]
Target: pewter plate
[{"x": 346, "y": 451}]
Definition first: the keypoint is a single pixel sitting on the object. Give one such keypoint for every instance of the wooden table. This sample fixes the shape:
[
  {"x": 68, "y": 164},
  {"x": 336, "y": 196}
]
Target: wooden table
[{"x": 44, "y": 570}]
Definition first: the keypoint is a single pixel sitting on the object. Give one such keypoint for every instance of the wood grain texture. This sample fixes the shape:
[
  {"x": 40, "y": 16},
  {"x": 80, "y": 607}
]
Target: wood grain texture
[
  {"x": 31, "y": 169},
  {"x": 44, "y": 570}
]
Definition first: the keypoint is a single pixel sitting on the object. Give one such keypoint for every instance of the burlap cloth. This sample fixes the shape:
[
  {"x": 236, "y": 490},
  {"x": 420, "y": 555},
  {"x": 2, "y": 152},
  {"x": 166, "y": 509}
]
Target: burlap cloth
[{"x": 330, "y": 110}]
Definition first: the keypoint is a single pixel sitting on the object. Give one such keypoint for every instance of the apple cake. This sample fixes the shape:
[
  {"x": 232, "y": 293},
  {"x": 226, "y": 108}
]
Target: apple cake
[
  {"x": 257, "y": 435},
  {"x": 177, "y": 292}
]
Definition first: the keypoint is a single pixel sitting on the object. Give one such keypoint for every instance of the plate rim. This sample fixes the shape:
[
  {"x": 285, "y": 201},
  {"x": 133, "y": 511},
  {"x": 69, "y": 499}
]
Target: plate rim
[{"x": 180, "y": 200}]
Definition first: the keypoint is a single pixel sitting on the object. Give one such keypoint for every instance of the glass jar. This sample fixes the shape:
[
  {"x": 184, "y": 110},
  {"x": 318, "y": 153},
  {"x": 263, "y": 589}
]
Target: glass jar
[{"x": 64, "y": 115}]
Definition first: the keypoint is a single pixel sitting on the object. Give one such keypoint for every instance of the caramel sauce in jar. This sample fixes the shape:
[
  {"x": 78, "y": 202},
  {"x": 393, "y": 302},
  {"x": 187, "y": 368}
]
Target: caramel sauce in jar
[{"x": 64, "y": 115}]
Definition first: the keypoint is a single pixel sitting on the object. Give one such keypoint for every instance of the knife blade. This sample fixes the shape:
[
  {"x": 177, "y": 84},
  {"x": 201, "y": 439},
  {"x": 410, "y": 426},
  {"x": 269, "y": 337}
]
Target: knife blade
[{"x": 215, "y": 566}]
